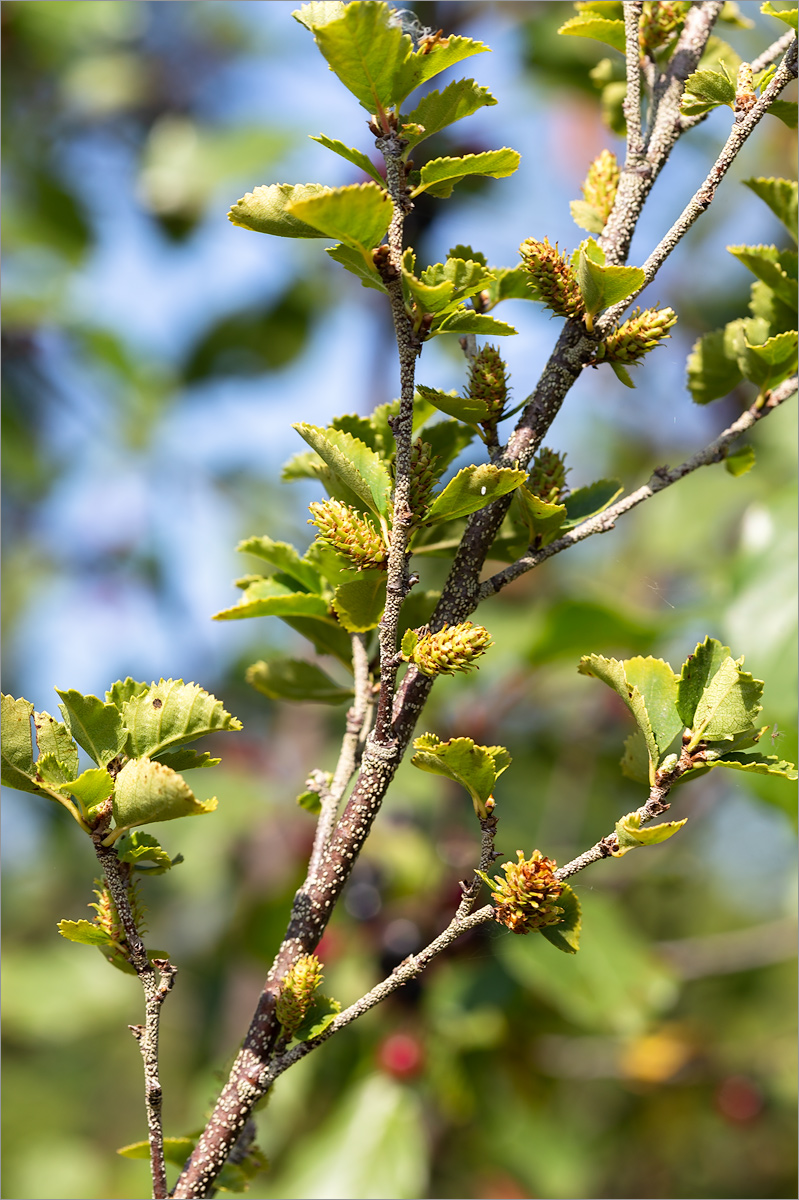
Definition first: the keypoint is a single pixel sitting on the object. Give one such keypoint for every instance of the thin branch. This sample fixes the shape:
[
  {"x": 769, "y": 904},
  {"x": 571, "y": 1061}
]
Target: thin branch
[
  {"x": 662, "y": 478},
  {"x": 773, "y": 52},
  {"x": 703, "y": 198},
  {"x": 632, "y": 100},
  {"x": 655, "y": 805},
  {"x": 156, "y": 989},
  {"x": 349, "y": 755}
]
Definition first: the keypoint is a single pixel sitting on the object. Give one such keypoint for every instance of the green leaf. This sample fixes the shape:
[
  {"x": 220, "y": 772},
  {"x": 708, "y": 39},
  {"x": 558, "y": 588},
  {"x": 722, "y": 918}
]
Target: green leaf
[
  {"x": 187, "y": 759},
  {"x": 123, "y": 690},
  {"x": 601, "y": 286},
  {"x": 740, "y": 461},
  {"x": 630, "y": 834},
  {"x": 359, "y": 602},
  {"x": 440, "y": 175},
  {"x": 433, "y": 58},
  {"x": 365, "y": 52},
  {"x": 148, "y": 791},
  {"x": 141, "y": 849},
  {"x": 283, "y": 557},
  {"x": 586, "y": 502},
  {"x": 357, "y": 215},
  {"x": 509, "y": 283},
  {"x": 476, "y": 768},
  {"x": 266, "y": 210},
  {"x": 296, "y": 679},
  {"x": 466, "y": 321},
  {"x": 600, "y": 29},
  {"x": 755, "y": 764},
  {"x": 354, "y": 262},
  {"x": 95, "y": 726},
  {"x": 768, "y": 363},
  {"x": 268, "y": 598},
  {"x": 728, "y": 704},
  {"x": 657, "y": 684},
  {"x": 91, "y": 787},
  {"x": 463, "y": 408},
  {"x": 705, "y": 90},
  {"x": 354, "y": 463},
  {"x": 566, "y": 934},
  {"x": 323, "y": 1010},
  {"x": 53, "y": 738},
  {"x": 176, "y": 1149},
  {"x": 310, "y": 802},
  {"x": 622, "y": 374},
  {"x": 712, "y": 365},
  {"x": 18, "y": 770},
  {"x": 786, "y": 111},
  {"x": 473, "y": 488},
  {"x": 447, "y": 439},
  {"x": 356, "y": 157},
  {"x": 84, "y": 932},
  {"x": 781, "y": 197},
  {"x": 776, "y": 268},
  {"x": 544, "y": 521},
  {"x": 428, "y": 299},
  {"x": 437, "y": 110},
  {"x": 635, "y": 760},
  {"x": 696, "y": 674},
  {"x": 788, "y": 15},
  {"x": 612, "y": 672},
  {"x": 326, "y": 636},
  {"x": 410, "y": 640},
  {"x": 170, "y": 714},
  {"x": 362, "y": 428},
  {"x": 587, "y": 216}
]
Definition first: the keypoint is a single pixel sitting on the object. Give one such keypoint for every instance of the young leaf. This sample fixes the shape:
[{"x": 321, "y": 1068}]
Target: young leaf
[
  {"x": 170, "y": 714},
  {"x": 91, "y": 787},
  {"x": 728, "y": 704},
  {"x": 599, "y": 28},
  {"x": 781, "y": 197},
  {"x": 95, "y": 726},
  {"x": 53, "y": 738},
  {"x": 410, "y": 640},
  {"x": 712, "y": 366},
  {"x": 362, "y": 428},
  {"x": 84, "y": 932},
  {"x": 283, "y": 557},
  {"x": 433, "y": 58},
  {"x": 696, "y": 674},
  {"x": 706, "y": 90},
  {"x": 635, "y": 760},
  {"x": 630, "y": 834},
  {"x": 323, "y": 1010},
  {"x": 144, "y": 853},
  {"x": 601, "y": 286},
  {"x": 463, "y": 408},
  {"x": 544, "y": 521},
  {"x": 148, "y": 791},
  {"x": 356, "y": 157},
  {"x": 187, "y": 759},
  {"x": 17, "y": 744},
  {"x": 312, "y": 15},
  {"x": 612, "y": 672},
  {"x": 788, "y": 15},
  {"x": 178, "y": 1149},
  {"x": 354, "y": 262},
  {"x": 786, "y": 111},
  {"x": 356, "y": 465},
  {"x": 775, "y": 268},
  {"x": 325, "y": 635},
  {"x": 310, "y": 802},
  {"x": 586, "y": 502},
  {"x": 268, "y": 598},
  {"x": 755, "y": 764},
  {"x": 509, "y": 283},
  {"x": 739, "y": 462},
  {"x": 587, "y": 216},
  {"x": 359, "y": 602},
  {"x": 296, "y": 679},
  {"x": 266, "y": 210},
  {"x": 437, "y": 110},
  {"x": 471, "y": 489},
  {"x": 357, "y": 215},
  {"x": 768, "y": 363},
  {"x": 476, "y": 768},
  {"x": 566, "y": 934},
  {"x": 440, "y": 175},
  {"x": 657, "y": 683},
  {"x": 122, "y": 690},
  {"x": 466, "y": 321},
  {"x": 365, "y": 52}
]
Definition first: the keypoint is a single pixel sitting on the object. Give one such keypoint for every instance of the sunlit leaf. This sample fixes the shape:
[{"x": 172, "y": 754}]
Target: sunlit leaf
[
  {"x": 781, "y": 197},
  {"x": 466, "y": 321},
  {"x": 440, "y": 175},
  {"x": 599, "y": 28},
  {"x": 283, "y": 557},
  {"x": 473, "y": 488},
  {"x": 356, "y": 157},
  {"x": 776, "y": 268},
  {"x": 357, "y": 215},
  {"x": 359, "y": 603},
  {"x": 268, "y": 598},
  {"x": 84, "y": 932},
  {"x": 585, "y": 502},
  {"x": 631, "y": 834},
  {"x": 612, "y": 672},
  {"x": 296, "y": 679},
  {"x": 356, "y": 464},
  {"x": 476, "y": 768},
  {"x": 788, "y": 15},
  {"x": 354, "y": 262},
  {"x": 170, "y": 714},
  {"x": 566, "y": 934},
  {"x": 266, "y": 210},
  {"x": 148, "y": 791},
  {"x": 463, "y": 408},
  {"x": 437, "y": 110},
  {"x": 95, "y": 726}
]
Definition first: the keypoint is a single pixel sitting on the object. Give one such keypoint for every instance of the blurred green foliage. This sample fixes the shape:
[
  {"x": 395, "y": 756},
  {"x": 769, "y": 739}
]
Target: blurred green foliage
[{"x": 658, "y": 1061}]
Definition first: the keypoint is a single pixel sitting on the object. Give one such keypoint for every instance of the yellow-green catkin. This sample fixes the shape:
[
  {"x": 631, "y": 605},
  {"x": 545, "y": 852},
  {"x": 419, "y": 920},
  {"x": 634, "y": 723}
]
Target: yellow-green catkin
[
  {"x": 639, "y": 334},
  {"x": 349, "y": 532},
  {"x": 526, "y": 897},
  {"x": 453, "y": 648},
  {"x": 552, "y": 276},
  {"x": 601, "y": 184},
  {"x": 297, "y": 992}
]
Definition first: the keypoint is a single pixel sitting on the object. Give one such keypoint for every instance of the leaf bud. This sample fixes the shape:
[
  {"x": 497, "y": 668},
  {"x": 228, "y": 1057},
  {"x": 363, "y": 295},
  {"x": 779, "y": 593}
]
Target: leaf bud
[
  {"x": 601, "y": 184},
  {"x": 488, "y": 381},
  {"x": 639, "y": 334},
  {"x": 745, "y": 97},
  {"x": 453, "y": 648},
  {"x": 526, "y": 897},
  {"x": 348, "y": 532},
  {"x": 547, "y": 478},
  {"x": 297, "y": 992},
  {"x": 553, "y": 277}
]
